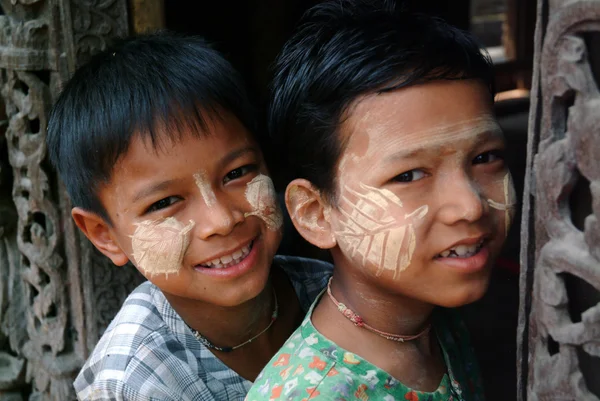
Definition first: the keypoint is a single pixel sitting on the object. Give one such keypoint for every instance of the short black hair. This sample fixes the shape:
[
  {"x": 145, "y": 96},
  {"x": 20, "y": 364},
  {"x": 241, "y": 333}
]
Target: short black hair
[
  {"x": 153, "y": 85},
  {"x": 347, "y": 48}
]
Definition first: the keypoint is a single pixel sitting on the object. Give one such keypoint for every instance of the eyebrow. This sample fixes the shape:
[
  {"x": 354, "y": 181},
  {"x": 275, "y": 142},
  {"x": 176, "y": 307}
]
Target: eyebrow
[
  {"x": 421, "y": 150},
  {"x": 231, "y": 156},
  {"x": 162, "y": 185},
  {"x": 156, "y": 187}
]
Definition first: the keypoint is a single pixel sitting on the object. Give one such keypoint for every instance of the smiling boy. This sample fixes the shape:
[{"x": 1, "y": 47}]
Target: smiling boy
[
  {"x": 154, "y": 140},
  {"x": 387, "y": 119}
]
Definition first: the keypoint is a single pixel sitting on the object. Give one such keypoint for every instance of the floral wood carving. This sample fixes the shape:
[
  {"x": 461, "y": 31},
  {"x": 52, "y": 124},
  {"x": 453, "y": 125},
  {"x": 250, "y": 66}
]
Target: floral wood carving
[
  {"x": 93, "y": 23},
  {"x": 56, "y": 295},
  {"x": 560, "y": 339}
]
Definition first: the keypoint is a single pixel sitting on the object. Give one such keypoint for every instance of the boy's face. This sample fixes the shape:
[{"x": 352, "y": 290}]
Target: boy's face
[
  {"x": 424, "y": 199},
  {"x": 198, "y": 217}
]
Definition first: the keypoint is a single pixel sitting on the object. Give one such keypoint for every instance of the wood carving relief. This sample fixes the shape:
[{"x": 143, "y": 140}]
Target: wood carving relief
[
  {"x": 93, "y": 23},
  {"x": 12, "y": 301},
  {"x": 56, "y": 294},
  {"x": 560, "y": 321}
]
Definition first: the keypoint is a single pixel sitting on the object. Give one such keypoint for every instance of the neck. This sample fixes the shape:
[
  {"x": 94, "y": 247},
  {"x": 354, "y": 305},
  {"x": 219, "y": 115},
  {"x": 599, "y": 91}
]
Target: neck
[
  {"x": 384, "y": 310},
  {"x": 226, "y": 326}
]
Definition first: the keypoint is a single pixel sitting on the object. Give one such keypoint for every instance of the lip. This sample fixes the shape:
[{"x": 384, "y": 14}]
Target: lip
[
  {"x": 468, "y": 241},
  {"x": 234, "y": 270},
  {"x": 472, "y": 264}
]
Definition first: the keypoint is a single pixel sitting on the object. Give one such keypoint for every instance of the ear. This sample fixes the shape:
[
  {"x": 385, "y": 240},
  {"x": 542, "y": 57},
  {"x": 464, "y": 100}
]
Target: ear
[
  {"x": 98, "y": 232},
  {"x": 308, "y": 211}
]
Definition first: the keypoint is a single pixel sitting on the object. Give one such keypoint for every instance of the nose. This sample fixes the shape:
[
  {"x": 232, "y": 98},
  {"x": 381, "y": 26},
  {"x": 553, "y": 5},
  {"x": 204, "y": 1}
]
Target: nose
[
  {"x": 462, "y": 200},
  {"x": 218, "y": 219}
]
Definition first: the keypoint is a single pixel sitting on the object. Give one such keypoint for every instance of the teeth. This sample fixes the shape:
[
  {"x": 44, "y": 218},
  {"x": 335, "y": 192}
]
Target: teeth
[
  {"x": 229, "y": 260},
  {"x": 462, "y": 251}
]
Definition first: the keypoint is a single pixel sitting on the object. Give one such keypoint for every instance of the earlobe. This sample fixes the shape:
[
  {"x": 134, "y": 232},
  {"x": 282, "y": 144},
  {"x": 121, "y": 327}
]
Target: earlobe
[
  {"x": 308, "y": 211},
  {"x": 98, "y": 232}
]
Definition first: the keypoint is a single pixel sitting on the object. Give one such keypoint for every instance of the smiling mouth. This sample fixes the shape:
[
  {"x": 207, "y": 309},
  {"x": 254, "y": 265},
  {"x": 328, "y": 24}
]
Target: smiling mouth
[
  {"x": 228, "y": 260},
  {"x": 462, "y": 251}
]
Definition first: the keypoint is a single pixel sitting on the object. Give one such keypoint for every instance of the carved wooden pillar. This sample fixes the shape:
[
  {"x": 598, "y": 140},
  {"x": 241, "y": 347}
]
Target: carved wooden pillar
[
  {"x": 56, "y": 294},
  {"x": 559, "y": 325}
]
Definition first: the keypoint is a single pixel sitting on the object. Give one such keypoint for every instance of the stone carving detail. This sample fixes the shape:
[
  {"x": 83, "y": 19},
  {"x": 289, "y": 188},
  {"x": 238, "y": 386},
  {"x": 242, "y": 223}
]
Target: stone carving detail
[
  {"x": 561, "y": 252},
  {"x": 56, "y": 294}
]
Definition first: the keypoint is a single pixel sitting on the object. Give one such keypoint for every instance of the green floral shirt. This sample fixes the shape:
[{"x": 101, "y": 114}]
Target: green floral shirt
[{"x": 310, "y": 366}]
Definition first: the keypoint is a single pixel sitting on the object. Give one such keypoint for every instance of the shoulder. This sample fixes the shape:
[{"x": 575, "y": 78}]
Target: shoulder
[
  {"x": 293, "y": 373},
  {"x": 108, "y": 363},
  {"x": 143, "y": 355},
  {"x": 137, "y": 331},
  {"x": 308, "y": 276},
  {"x": 302, "y": 370},
  {"x": 137, "y": 318}
]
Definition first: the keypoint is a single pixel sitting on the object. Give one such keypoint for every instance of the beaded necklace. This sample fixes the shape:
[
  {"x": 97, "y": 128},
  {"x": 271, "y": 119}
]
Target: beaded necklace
[
  {"x": 359, "y": 322},
  {"x": 210, "y": 345}
]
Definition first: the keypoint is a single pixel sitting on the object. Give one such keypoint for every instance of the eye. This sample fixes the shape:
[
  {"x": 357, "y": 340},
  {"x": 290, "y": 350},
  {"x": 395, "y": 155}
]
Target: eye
[
  {"x": 488, "y": 157},
  {"x": 162, "y": 204},
  {"x": 410, "y": 176},
  {"x": 239, "y": 172}
]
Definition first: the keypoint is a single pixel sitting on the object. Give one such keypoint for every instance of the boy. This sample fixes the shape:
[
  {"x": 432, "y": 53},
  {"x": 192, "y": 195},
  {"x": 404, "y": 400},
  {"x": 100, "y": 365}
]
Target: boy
[
  {"x": 153, "y": 139},
  {"x": 388, "y": 124}
]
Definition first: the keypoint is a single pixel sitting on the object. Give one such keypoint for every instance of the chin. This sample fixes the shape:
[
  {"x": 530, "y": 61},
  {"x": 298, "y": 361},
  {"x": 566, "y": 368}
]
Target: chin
[
  {"x": 466, "y": 295},
  {"x": 230, "y": 299},
  {"x": 243, "y": 292}
]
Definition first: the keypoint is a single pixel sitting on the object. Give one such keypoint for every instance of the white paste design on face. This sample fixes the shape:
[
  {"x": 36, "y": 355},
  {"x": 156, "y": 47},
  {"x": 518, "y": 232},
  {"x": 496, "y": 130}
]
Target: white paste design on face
[
  {"x": 159, "y": 245},
  {"x": 438, "y": 136},
  {"x": 261, "y": 195},
  {"x": 509, "y": 204},
  {"x": 205, "y": 190},
  {"x": 371, "y": 230}
]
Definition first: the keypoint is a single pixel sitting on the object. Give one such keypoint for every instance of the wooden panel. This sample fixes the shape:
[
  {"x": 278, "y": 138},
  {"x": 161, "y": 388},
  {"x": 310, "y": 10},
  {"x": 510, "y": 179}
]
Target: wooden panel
[
  {"x": 50, "y": 282},
  {"x": 559, "y": 324}
]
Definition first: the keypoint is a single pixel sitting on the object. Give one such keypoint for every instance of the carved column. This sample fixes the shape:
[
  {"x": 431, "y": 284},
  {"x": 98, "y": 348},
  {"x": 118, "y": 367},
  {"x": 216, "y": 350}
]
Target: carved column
[
  {"x": 559, "y": 325},
  {"x": 56, "y": 294}
]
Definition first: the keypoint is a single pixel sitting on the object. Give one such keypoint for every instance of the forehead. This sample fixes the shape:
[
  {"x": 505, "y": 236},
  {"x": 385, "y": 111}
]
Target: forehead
[
  {"x": 433, "y": 115},
  {"x": 197, "y": 143},
  {"x": 211, "y": 129},
  {"x": 177, "y": 156}
]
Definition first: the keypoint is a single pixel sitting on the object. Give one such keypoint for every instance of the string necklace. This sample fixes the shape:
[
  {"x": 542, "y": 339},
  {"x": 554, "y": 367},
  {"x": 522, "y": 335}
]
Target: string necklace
[
  {"x": 210, "y": 345},
  {"x": 359, "y": 322}
]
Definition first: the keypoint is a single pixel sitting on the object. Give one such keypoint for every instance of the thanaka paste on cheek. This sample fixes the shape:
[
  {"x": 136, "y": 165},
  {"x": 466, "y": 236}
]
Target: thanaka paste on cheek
[
  {"x": 509, "y": 202},
  {"x": 205, "y": 190},
  {"x": 160, "y": 245},
  {"x": 261, "y": 195},
  {"x": 371, "y": 229}
]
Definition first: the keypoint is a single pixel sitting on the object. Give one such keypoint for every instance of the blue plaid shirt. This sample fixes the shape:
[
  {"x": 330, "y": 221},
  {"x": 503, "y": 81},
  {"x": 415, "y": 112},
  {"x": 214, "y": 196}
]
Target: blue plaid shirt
[{"x": 149, "y": 353}]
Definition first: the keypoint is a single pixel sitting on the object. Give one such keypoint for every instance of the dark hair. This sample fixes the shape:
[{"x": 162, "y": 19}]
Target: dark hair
[
  {"x": 153, "y": 85},
  {"x": 347, "y": 48}
]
